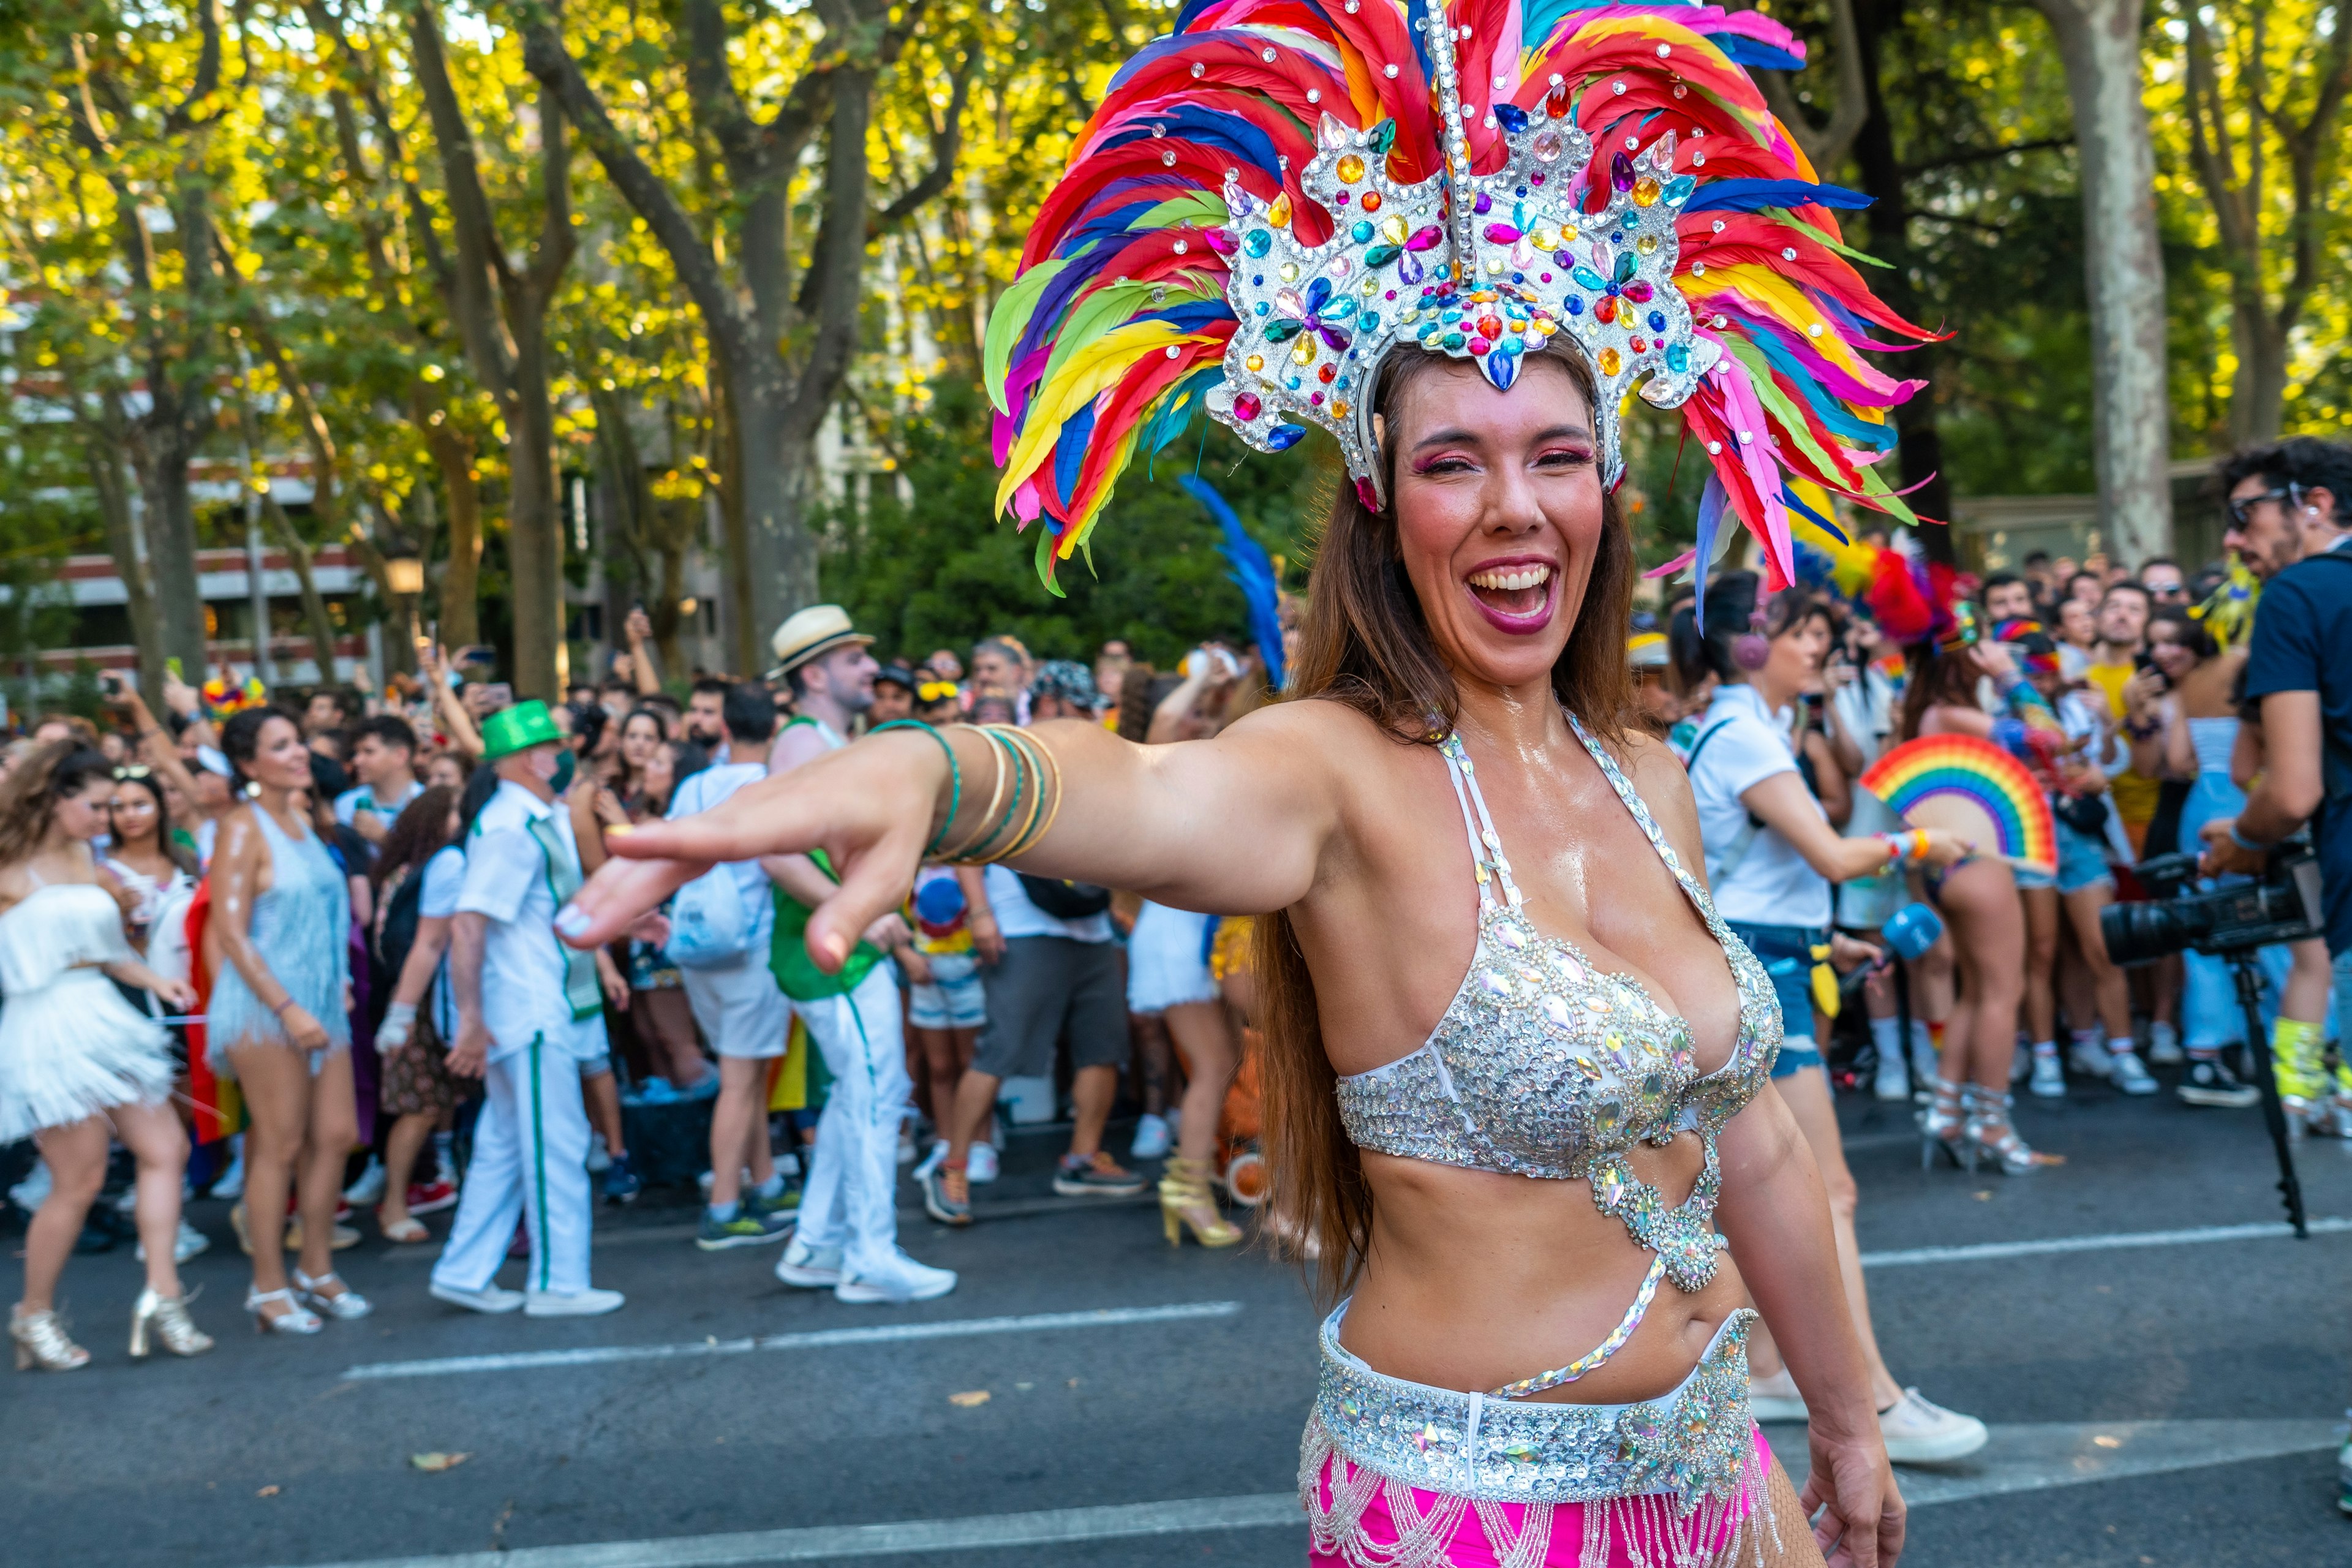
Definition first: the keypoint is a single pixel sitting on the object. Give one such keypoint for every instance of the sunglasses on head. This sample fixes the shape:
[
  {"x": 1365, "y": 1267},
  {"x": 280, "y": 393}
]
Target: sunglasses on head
[
  {"x": 2240, "y": 508},
  {"x": 136, "y": 771}
]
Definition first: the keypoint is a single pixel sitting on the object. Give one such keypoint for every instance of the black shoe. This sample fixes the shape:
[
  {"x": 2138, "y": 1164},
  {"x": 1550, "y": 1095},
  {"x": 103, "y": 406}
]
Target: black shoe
[
  {"x": 2208, "y": 1081},
  {"x": 1097, "y": 1176}
]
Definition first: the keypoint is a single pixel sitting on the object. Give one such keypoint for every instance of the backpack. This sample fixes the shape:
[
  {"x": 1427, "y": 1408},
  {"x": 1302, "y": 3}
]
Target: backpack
[
  {"x": 395, "y": 933},
  {"x": 709, "y": 926}
]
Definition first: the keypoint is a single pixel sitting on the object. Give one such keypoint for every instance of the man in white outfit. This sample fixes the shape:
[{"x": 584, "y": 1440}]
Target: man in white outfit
[
  {"x": 529, "y": 1011},
  {"x": 848, "y": 1235}
]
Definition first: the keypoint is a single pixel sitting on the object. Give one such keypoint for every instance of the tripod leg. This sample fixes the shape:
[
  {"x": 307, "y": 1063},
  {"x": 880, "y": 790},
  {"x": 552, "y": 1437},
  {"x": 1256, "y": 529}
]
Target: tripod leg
[{"x": 2249, "y": 1001}]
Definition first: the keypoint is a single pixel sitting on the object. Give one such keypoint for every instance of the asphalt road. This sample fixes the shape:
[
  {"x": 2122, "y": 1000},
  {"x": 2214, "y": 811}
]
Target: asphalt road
[{"x": 2163, "y": 1402}]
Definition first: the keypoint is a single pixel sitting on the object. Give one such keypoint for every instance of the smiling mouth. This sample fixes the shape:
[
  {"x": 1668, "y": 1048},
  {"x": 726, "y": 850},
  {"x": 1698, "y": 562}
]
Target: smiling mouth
[{"x": 1513, "y": 590}]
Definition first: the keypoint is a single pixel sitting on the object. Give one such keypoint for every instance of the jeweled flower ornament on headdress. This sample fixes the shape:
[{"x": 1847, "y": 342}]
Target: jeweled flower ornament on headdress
[{"x": 1282, "y": 193}]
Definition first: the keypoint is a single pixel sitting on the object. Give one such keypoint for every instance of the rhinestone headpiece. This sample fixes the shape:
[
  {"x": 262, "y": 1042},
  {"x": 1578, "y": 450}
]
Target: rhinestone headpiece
[{"x": 1486, "y": 268}]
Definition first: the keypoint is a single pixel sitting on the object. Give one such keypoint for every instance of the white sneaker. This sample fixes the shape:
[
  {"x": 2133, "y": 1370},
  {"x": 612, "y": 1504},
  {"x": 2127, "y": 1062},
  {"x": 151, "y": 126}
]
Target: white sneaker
[
  {"x": 980, "y": 1165},
  {"x": 588, "y": 1303},
  {"x": 2164, "y": 1046},
  {"x": 2128, "y": 1074},
  {"x": 2089, "y": 1060},
  {"x": 1893, "y": 1082},
  {"x": 809, "y": 1268},
  {"x": 1150, "y": 1138},
  {"x": 1919, "y": 1432},
  {"x": 186, "y": 1245},
  {"x": 600, "y": 1159},
  {"x": 906, "y": 1148},
  {"x": 2049, "y": 1078},
  {"x": 900, "y": 1280},
  {"x": 489, "y": 1298},
  {"x": 34, "y": 1190},
  {"x": 1775, "y": 1398},
  {"x": 369, "y": 1188},
  {"x": 932, "y": 1161}
]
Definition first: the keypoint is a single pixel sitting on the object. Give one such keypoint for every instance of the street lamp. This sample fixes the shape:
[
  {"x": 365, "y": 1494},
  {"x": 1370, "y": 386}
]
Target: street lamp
[{"x": 404, "y": 576}]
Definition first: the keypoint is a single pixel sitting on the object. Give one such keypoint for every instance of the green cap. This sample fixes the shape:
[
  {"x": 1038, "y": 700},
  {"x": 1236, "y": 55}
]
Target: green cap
[{"x": 517, "y": 728}]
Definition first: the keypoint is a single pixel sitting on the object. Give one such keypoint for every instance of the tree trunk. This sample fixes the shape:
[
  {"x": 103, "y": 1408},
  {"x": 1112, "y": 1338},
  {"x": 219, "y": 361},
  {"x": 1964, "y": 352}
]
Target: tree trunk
[
  {"x": 114, "y": 486},
  {"x": 534, "y": 521},
  {"x": 162, "y": 448},
  {"x": 2258, "y": 389},
  {"x": 461, "y": 574},
  {"x": 1920, "y": 447},
  {"x": 316, "y": 621},
  {"x": 2099, "y": 42}
]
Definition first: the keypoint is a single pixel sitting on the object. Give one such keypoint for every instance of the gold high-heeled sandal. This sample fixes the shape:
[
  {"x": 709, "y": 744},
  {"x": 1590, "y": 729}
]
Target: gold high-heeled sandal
[
  {"x": 1183, "y": 1198},
  {"x": 41, "y": 1342},
  {"x": 157, "y": 1319}
]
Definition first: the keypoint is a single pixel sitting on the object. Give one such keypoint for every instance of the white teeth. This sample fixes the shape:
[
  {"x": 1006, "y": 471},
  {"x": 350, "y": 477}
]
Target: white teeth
[{"x": 1506, "y": 580}]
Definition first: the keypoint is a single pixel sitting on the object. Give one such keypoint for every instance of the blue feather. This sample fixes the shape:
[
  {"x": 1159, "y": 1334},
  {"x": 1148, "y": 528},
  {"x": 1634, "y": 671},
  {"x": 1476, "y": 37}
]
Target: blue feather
[
  {"x": 1754, "y": 196},
  {"x": 1252, "y": 572},
  {"x": 1712, "y": 502}
]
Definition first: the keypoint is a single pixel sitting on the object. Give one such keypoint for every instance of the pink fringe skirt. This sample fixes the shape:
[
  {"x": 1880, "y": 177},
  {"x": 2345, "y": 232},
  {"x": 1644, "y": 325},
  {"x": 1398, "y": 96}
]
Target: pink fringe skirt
[{"x": 1405, "y": 1527}]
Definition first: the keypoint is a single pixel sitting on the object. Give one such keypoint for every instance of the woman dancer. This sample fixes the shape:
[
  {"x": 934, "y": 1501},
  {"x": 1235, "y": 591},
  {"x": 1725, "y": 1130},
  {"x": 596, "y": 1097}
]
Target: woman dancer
[
  {"x": 417, "y": 870},
  {"x": 1771, "y": 858},
  {"x": 79, "y": 1066},
  {"x": 1978, "y": 898},
  {"x": 279, "y": 1023},
  {"x": 1450, "y": 823}
]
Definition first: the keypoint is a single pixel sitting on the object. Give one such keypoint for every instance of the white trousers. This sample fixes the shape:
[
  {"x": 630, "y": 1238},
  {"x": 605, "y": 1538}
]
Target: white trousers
[
  {"x": 531, "y": 1152},
  {"x": 851, "y": 1200}
]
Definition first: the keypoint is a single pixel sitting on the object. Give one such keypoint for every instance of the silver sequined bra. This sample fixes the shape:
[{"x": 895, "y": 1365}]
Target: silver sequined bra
[{"x": 1547, "y": 1066}]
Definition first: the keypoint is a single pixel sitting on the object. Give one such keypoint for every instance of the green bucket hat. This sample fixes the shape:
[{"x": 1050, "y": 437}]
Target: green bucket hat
[{"x": 517, "y": 728}]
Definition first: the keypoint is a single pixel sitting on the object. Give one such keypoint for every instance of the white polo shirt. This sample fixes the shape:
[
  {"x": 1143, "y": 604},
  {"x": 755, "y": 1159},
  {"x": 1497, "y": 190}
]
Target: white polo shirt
[{"x": 522, "y": 963}]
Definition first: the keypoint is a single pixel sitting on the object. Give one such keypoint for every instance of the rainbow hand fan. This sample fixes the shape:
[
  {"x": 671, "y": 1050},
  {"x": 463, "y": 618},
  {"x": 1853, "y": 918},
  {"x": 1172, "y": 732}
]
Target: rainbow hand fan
[{"x": 1972, "y": 789}]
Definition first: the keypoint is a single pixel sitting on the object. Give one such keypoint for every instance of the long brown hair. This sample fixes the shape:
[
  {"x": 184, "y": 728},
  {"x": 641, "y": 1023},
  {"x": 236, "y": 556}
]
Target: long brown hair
[
  {"x": 28, "y": 800},
  {"x": 1365, "y": 642},
  {"x": 419, "y": 833},
  {"x": 1936, "y": 679}
]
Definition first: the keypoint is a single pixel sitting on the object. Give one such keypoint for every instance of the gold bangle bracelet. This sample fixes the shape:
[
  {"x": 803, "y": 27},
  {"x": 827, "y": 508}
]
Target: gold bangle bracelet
[
  {"x": 1053, "y": 765},
  {"x": 975, "y": 852},
  {"x": 995, "y": 795},
  {"x": 1016, "y": 741}
]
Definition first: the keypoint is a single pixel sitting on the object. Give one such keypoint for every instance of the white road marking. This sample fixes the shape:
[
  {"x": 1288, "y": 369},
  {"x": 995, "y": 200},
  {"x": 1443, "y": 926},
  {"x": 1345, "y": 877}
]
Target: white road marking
[
  {"x": 2035, "y": 1456},
  {"x": 2018, "y": 1458},
  {"x": 879, "y": 1333},
  {"x": 2112, "y": 1241}
]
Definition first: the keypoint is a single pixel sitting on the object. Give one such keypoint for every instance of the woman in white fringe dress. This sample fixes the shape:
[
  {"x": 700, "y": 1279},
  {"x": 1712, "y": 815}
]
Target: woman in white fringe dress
[{"x": 80, "y": 1065}]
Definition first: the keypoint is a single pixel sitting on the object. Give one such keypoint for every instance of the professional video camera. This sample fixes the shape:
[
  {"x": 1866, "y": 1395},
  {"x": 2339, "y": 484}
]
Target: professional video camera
[
  {"x": 2282, "y": 905},
  {"x": 2230, "y": 923}
]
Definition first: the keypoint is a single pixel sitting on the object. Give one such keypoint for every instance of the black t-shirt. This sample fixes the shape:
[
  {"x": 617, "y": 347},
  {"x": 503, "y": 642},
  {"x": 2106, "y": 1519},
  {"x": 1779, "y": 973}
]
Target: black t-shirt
[{"x": 2303, "y": 642}]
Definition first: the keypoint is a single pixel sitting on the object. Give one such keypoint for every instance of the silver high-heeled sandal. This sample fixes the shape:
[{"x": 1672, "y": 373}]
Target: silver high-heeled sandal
[
  {"x": 163, "y": 1319},
  {"x": 41, "y": 1342},
  {"x": 345, "y": 1303},
  {"x": 296, "y": 1320},
  {"x": 1991, "y": 1138}
]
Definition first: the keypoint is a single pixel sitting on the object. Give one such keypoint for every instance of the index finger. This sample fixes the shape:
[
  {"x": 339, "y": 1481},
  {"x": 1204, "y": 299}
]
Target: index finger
[{"x": 621, "y": 891}]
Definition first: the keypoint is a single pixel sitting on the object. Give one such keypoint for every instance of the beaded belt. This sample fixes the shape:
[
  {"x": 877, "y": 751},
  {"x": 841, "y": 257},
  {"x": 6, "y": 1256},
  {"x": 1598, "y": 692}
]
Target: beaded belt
[{"x": 1695, "y": 1442}]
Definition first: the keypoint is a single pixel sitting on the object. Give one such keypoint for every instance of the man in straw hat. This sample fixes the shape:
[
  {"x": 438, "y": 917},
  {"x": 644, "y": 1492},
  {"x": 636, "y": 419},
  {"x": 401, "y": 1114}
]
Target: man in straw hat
[
  {"x": 529, "y": 1011},
  {"x": 848, "y": 1234}
]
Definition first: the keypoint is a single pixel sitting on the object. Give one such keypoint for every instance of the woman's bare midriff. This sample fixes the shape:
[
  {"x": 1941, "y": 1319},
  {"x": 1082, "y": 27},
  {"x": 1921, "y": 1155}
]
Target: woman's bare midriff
[{"x": 1475, "y": 1280}]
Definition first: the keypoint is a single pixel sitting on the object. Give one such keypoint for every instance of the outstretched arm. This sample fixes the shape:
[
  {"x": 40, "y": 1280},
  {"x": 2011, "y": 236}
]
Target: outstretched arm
[{"x": 1237, "y": 824}]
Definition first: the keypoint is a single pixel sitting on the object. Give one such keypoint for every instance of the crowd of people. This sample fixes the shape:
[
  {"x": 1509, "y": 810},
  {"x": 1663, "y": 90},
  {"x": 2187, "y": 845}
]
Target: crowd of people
[
  {"x": 326, "y": 936},
  {"x": 332, "y": 934}
]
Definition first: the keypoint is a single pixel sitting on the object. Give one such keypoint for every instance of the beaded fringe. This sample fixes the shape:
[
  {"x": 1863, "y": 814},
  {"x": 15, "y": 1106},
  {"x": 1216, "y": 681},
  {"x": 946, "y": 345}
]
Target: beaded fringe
[{"x": 1650, "y": 1530}]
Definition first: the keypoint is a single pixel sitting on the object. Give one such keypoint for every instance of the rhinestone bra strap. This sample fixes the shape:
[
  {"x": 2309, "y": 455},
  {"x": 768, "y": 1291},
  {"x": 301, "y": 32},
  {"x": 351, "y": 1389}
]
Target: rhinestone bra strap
[
  {"x": 1649, "y": 826},
  {"x": 1486, "y": 847},
  {"x": 1598, "y": 1353}
]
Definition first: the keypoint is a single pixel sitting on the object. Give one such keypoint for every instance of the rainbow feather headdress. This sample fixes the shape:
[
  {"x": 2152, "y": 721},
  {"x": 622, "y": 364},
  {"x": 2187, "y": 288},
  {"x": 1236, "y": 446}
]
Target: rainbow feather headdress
[{"x": 1280, "y": 193}]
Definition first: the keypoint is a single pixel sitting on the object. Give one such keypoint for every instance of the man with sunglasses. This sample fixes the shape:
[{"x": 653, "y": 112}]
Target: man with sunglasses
[{"x": 2287, "y": 524}]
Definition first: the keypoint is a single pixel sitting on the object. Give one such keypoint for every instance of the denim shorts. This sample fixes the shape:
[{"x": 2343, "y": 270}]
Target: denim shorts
[
  {"x": 1787, "y": 954},
  {"x": 2082, "y": 863},
  {"x": 954, "y": 998}
]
